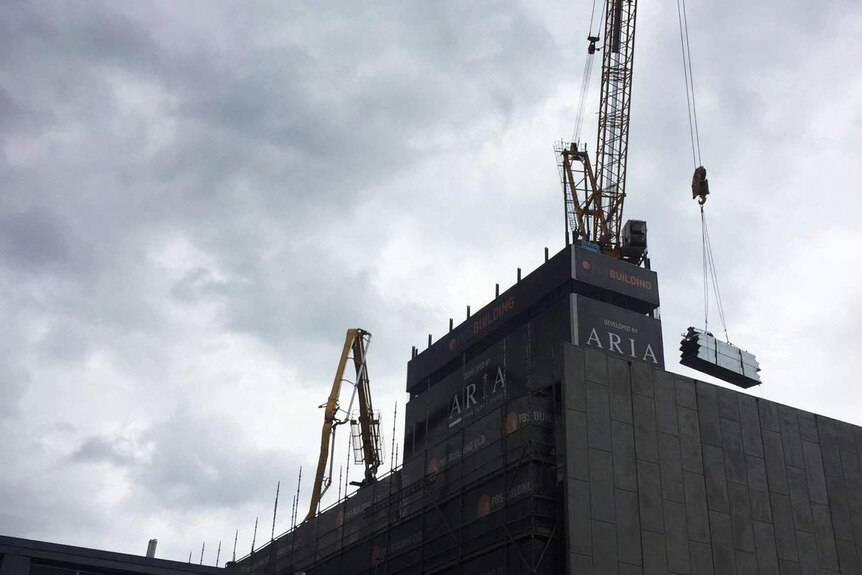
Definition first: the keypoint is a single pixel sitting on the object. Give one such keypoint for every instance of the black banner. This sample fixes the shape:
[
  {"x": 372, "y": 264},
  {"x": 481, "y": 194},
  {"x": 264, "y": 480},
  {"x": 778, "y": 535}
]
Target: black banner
[
  {"x": 617, "y": 331},
  {"x": 572, "y": 270},
  {"x": 511, "y": 304},
  {"x": 639, "y": 286}
]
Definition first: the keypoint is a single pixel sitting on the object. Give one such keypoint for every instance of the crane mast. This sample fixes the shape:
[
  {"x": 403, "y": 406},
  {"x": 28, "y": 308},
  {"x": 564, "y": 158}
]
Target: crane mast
[
  {"x": 615, "y": 105},
  {"x": 594, "y": 197}
]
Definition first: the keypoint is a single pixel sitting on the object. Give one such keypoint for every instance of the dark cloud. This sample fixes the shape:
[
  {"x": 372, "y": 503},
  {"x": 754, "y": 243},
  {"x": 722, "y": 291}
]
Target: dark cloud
[
  {"x": 13, "y": 384},
  {"x": 104, "y": 450},
  {"x": 188, "y": 461},
  {"x": 205, "y": 463},
  {"x": 197, "y": 200},
  {"x": 33, "y": 239}
]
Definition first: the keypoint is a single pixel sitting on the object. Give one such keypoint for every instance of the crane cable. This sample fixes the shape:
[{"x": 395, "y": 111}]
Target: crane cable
[
  {"x": 585, "y": 85},
  {"x": 585, "y": 82},
  {"x": 710, "y": 274},
  {"x": 694, "y": 132}
]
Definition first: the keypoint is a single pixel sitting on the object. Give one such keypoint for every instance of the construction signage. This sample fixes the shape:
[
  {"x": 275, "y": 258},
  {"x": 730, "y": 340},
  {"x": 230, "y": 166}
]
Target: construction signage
[
  {"x": 574, "y": 269},
  {"x": 511, "y": 304},
  {"x": 617, "y": 331},
  {"x": 638, "y": 285}
]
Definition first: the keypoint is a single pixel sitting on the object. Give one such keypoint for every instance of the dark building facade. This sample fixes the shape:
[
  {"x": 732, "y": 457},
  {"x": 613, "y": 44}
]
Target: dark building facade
[
  {"x": 543, "y": 435},
  {"x": 27, "y": 557},
  {"x": 665, "y": 474}
]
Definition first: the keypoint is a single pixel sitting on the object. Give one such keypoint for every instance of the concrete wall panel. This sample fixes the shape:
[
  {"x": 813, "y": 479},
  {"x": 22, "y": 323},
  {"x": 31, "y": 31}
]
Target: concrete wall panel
[{"x": 708, "y": 480}]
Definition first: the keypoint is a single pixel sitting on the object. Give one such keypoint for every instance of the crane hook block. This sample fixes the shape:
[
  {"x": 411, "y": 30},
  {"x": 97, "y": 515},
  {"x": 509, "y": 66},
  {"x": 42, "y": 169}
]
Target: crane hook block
[
  {"x": 699, "y": 185},
  {"x": 591, "y": 49}
]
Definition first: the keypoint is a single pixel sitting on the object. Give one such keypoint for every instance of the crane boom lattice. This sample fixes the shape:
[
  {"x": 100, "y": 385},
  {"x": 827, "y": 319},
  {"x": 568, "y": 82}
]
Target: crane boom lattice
[
  {"x": 594, "y": 197},
  {"x": 615, "y": 105}
]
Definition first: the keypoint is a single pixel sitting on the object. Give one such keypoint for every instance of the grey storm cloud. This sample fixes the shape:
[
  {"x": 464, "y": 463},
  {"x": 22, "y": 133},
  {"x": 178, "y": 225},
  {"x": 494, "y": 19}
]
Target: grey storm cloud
[
  {"x": 103, "y": 449},
  {"x": 175, "y": 183},
  {"x": 33, "y": 239},
  {"x": 197, "y": 199},
  {"x": 14, "y": 384},
  {"x": 186, "y": 461}
]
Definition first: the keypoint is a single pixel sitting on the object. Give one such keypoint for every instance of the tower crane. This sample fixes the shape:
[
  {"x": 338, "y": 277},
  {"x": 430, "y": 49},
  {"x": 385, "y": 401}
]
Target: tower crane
[
  {"x": 594, "y": 193},
  {"x": 368, "y": 425}
]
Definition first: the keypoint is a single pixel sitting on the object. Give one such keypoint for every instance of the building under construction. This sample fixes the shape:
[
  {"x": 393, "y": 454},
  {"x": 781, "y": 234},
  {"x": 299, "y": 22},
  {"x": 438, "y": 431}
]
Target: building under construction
[{"x": 543, "y": 435}]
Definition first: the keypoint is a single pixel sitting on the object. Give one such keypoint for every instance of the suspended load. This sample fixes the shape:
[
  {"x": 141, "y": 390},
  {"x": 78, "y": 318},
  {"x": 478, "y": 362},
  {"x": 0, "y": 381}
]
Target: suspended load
[{"x": 703, "y": 352}]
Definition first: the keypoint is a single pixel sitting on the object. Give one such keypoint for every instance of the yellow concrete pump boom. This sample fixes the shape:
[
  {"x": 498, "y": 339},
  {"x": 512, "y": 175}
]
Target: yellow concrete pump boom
[{"x": 355, "y": 348}]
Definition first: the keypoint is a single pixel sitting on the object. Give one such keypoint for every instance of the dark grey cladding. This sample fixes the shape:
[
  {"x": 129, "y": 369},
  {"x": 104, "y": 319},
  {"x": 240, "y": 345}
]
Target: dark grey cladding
[
  {"x": 581, "y": 461},
  {"x": 726, "y": 482},
  {"x": 628, "y": 293}
]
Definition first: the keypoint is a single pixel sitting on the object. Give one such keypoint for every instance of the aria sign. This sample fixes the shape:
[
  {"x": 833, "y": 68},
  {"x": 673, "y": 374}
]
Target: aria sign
[
  {"x": 484, "y": 385},
  {"x": 617, "y": 331}
]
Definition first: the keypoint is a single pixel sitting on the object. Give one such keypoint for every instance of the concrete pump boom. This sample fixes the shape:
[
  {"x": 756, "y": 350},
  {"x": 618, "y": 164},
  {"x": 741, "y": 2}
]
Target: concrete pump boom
[{"x": 355, "y": 348}]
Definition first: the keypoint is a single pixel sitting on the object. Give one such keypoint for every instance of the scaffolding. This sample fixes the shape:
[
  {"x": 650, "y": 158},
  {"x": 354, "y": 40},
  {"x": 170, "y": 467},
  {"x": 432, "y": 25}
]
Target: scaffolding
[{"x": 492, "y": 506}]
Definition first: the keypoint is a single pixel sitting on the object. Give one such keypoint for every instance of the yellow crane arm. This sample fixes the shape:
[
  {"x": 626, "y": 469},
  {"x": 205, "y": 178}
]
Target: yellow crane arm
[
  {"x": 369, "y": 425},
  {"x": 355, "y": 342}
]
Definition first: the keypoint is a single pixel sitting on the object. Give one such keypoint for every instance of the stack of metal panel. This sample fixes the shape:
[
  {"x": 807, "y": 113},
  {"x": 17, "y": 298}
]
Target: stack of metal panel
[{"x": 703, "y": 352}]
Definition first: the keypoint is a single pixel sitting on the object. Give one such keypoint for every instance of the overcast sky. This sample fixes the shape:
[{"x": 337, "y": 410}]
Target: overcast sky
[{"x": 198, "y": 198}]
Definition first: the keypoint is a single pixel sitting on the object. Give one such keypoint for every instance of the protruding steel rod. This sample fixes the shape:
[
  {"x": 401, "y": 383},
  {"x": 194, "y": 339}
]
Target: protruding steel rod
[
  {"x": 394, "y": 419},
  {"x": 254, "y": 536},
  {"x": 275, "y": 511},
  {"x": 298, "y": 485}
]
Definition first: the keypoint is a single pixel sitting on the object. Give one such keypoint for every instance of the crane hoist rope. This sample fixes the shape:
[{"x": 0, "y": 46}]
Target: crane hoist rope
[
  {"x": 592, "y": 38},
  {"x": 710, "y": 276},
  {"x": 699, "y": 182},
  {"x": 701, "y": 350},
  {"x": 585, "y": 86},
  {"x": 355, "y": 348},
  {"x": 688, "y": 75}
]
